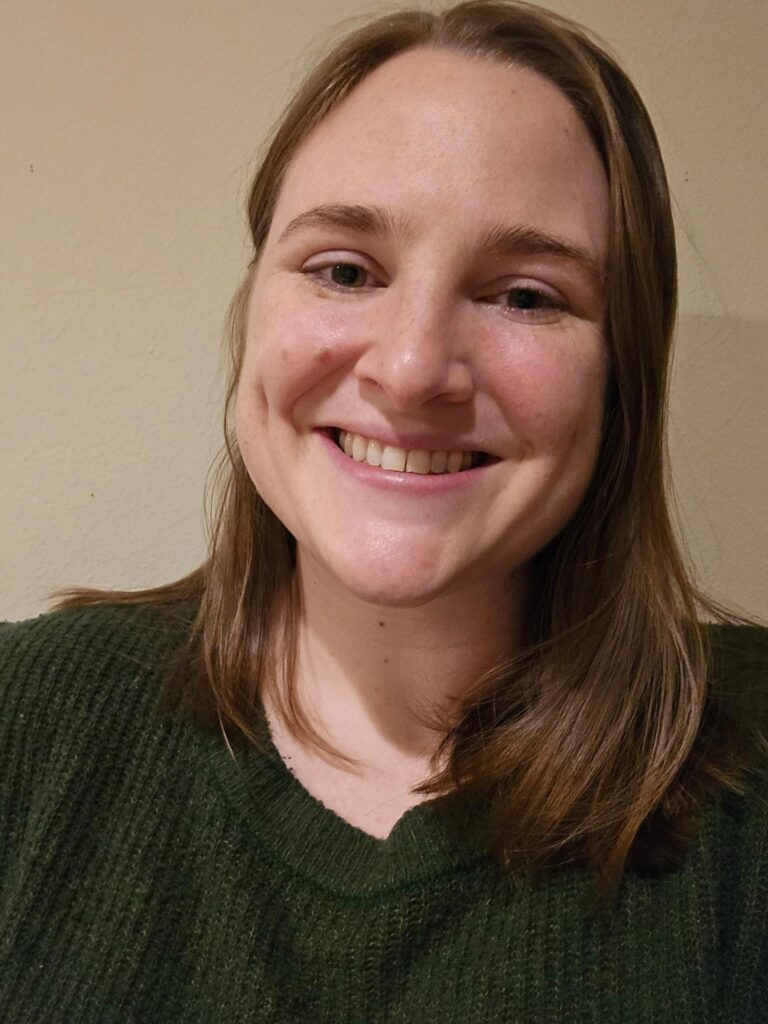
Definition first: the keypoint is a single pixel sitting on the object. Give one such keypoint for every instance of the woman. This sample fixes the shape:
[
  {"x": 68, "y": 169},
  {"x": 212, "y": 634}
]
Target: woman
[{"x": 441, "y": 735}]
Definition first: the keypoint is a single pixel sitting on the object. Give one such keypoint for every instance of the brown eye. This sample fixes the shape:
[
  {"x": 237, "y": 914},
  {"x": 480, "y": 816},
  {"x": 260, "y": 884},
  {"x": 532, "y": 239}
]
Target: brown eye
[
  {"x": 528, "y": 298},
  {"x": 347, "y": 275}
]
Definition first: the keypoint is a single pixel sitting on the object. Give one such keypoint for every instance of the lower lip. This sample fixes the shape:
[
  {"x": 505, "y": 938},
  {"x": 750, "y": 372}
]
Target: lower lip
[{"x": 403, "y": 483}]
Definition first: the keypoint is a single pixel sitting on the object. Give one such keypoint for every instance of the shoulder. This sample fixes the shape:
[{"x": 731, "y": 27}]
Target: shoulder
[
  {"x": 738, "y": 659},
  {"x": 70, "y": 676},
  {"x": 738, "y": 647},
  {"x": 738, "y": 828},
  {"x": 91, "y": 626},
  {"x": 90, "y": 643},
  {"x": 738, "y": 667}
]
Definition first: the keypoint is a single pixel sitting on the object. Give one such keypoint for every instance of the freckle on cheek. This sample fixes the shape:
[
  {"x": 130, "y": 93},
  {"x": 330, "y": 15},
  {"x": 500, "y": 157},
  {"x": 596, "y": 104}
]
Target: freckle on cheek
[{"x": 323, "y": 354}]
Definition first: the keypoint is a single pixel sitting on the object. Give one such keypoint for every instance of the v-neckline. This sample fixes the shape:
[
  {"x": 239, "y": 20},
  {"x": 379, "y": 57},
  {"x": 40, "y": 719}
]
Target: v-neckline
[{"x": 431, "y": 838}]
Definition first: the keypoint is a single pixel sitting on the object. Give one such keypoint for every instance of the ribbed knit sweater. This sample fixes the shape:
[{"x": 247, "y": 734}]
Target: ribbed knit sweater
[{"x": 147, "y": 876}]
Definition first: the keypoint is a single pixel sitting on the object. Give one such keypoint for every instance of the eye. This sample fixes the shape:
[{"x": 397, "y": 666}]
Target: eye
[
  {"x": 529, "y": 303},
  {"x": 343, "y": 275},
  {"x": 527, "y": 298}
]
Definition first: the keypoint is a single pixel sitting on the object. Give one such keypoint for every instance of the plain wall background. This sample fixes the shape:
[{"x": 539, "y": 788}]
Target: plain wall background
[{"x": 128, "y": 134}]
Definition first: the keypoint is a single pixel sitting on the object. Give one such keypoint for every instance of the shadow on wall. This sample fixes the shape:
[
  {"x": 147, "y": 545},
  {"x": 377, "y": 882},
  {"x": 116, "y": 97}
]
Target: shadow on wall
[{"x": 718, "y": 445}]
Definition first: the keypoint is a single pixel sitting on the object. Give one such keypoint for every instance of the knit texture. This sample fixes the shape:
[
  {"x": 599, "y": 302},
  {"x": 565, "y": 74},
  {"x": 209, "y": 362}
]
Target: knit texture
[{"x": 147, "y": 876}]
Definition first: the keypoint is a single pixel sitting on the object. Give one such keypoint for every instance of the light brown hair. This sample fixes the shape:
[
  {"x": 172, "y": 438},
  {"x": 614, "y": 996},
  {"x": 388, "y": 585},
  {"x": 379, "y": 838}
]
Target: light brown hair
[{"x": 597, "y": 743}]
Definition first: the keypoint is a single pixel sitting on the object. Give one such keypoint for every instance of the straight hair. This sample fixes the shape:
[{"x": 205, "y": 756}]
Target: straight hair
[{"x": 599, "y": 741}]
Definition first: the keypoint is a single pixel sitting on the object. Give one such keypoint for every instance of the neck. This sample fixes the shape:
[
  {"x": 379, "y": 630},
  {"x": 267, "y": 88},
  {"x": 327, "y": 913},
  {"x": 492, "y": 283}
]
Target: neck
[{"x": 366, "y": 674}]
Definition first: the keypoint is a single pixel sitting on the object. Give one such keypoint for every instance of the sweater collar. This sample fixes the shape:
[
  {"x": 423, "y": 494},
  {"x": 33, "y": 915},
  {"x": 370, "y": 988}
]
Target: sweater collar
[{"x": 434, "y": 838}]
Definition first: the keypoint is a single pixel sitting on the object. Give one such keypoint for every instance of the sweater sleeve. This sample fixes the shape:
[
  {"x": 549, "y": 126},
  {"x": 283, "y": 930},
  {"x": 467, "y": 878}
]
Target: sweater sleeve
[
  {"x": 740, "y": 672},
  {"x": 55, "y": 673},
  {"x": 74, "y": 687},
  {"x": 27, "y": 663}
]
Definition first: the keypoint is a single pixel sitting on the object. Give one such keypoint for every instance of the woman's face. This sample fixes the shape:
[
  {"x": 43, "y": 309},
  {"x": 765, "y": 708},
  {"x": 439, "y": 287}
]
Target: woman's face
[{"x": 431, "y": 282}]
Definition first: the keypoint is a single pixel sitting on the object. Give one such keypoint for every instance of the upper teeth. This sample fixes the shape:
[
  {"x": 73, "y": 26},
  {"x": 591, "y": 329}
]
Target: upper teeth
[{"x": 364, "y": 449}]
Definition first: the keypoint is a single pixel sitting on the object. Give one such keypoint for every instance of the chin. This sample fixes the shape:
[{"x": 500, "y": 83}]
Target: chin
[
  {"x": 389, "y": 582},
  {"x": 396, "y": 596}
]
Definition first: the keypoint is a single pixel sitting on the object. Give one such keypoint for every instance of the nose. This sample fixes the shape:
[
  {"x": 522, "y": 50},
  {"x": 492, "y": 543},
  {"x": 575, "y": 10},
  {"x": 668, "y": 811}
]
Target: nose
[{"x": 416, "y": 352}]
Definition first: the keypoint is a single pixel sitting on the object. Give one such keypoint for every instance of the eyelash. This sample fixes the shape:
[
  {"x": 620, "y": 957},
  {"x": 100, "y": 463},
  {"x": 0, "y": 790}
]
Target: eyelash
[{"x": 551, "y": 304}]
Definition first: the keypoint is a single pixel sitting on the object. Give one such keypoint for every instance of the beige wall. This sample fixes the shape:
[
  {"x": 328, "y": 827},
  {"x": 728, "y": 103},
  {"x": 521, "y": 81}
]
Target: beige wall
[{"x": 128, "y": 131}]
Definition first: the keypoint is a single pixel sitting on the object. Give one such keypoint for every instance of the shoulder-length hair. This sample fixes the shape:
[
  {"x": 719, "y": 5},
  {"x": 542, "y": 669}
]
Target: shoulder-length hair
[{"x": 596, "y": 743}]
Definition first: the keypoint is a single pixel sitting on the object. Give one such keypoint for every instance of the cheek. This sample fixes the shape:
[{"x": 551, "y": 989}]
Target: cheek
[
  {"x": 553, "y": 391},
  {"x": 291, "y": 346}
]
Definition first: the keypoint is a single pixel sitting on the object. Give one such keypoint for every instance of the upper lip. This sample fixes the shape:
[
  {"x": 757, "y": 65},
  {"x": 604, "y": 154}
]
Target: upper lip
[{"x": 411, "y": 441}]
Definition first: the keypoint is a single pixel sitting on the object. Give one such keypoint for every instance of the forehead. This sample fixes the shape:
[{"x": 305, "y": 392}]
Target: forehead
[{"x": 433, "y": 133}]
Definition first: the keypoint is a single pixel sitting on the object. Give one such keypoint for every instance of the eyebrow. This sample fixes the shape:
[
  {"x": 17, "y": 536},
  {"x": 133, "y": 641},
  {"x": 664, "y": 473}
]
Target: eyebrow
[
  {"x": 509, "y": 241},
  {"x": 499, "y": 240},
  {"x": 369, "y": 220}
]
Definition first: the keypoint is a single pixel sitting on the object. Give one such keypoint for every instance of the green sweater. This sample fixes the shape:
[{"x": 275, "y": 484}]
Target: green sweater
[{"x": 147, "y": 876}]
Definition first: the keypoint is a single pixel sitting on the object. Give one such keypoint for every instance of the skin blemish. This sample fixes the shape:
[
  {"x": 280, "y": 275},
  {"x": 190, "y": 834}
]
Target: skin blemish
[
  {"x": 381, "y": 623},
  {"x": 323, "y": 354}
]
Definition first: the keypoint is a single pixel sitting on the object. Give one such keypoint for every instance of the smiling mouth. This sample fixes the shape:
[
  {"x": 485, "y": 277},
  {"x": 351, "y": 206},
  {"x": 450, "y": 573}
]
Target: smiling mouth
[{"x": 404, "y": 460}]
